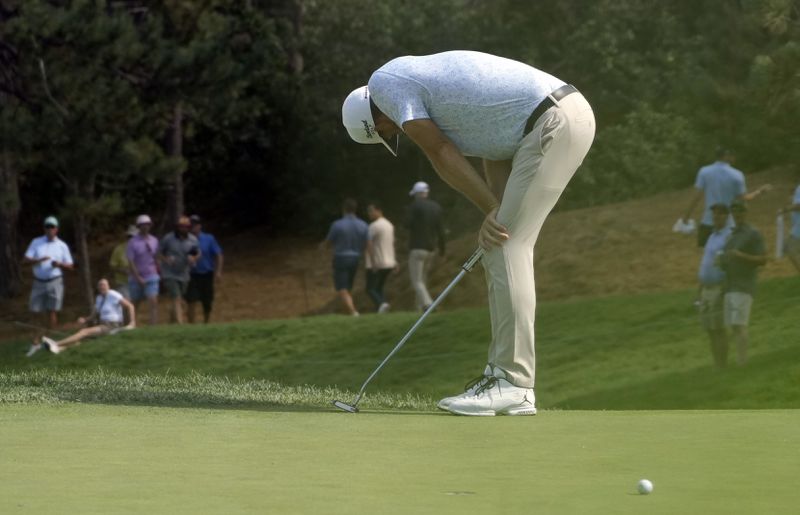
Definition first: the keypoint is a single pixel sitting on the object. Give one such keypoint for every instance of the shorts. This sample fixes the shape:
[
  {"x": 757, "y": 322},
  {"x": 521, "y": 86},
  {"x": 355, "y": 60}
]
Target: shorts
[
  {"x": 201, "y": 289},
  {"x": 737, "y": 308},
  {"x": 344, "y": 272},
  {"x": 47, "y": 295},
  {"x": 139, "y": 292},
  {"x": 711, "y": 308},
  {"x": 703, "y": 232},
  {"x": 107, "y": 327},
  {"x": 175, "y": 288}
]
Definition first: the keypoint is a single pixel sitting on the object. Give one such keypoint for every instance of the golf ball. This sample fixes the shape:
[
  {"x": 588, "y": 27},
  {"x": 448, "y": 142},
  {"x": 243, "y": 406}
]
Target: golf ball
[{"x": 644, "y": 486}]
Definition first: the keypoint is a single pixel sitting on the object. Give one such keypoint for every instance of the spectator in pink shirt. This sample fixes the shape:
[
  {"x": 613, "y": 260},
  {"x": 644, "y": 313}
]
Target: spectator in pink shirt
[{"x": 143, "y": 279}]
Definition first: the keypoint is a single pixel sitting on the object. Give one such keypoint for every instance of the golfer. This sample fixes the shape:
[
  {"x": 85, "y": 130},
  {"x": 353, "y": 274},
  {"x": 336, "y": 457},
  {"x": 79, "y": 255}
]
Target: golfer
[
  {"x": 106, "y": 318},
  {"x": 532, "y": 131}
]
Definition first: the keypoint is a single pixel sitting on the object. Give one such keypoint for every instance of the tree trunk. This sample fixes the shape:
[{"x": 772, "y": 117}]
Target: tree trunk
[
  {"x": 82, "y": 228},
  {"x": 10, "y": 273},
  {"x": 175, "y": 200}
]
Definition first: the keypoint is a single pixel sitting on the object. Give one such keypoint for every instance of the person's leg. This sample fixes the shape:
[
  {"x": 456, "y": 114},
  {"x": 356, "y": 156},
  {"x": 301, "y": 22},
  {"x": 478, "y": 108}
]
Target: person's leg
[
  {"x": 75, "y": 339},
  {"x": 150, "y": 291},
  {"x": 372, "y": 288},
  {"x": 207, "y": 296},
  {"x": 416, "y": 270},
  {"x": 380, "y": 284},
  {"x": 740, "y": 336},
  {"x": 546, "y": 161},
  {"x": 343, "y": 272},
  {"x": 347, "y": 301},
  {"x": 192, "y": 296}
]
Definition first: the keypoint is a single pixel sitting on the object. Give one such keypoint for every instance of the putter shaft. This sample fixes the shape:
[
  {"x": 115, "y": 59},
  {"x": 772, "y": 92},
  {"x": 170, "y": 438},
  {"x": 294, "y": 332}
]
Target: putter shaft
[{"x": 466, "y": 267}]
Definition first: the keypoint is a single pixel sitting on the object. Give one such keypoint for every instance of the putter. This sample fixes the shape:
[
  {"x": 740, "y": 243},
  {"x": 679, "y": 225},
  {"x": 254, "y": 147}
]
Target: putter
[
  {"x": 466, "y": 267},
  {"x": 40, "y": 328}
]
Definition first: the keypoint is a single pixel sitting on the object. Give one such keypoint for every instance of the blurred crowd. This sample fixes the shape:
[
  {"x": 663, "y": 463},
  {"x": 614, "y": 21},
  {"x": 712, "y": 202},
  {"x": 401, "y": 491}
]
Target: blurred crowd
[{"x": 183, "y": 265}]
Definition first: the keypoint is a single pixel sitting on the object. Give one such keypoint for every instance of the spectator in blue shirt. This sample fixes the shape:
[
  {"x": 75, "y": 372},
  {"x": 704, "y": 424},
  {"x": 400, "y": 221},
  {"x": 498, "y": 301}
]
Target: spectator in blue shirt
[
  {"x": 206, "y": 271},
  {"x": 712, "y": 280},
  {"x": 718, "y": 183},
  {"x": 349, "y": 238}
]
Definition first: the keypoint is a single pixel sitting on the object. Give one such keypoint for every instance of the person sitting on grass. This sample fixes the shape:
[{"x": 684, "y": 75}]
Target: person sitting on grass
[{"x": 106, "y": 318}]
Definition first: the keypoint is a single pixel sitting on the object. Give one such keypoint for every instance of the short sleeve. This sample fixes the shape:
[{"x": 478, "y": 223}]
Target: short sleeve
[
  {"x": 31, "y": 252},
  {"x": 700, "y": 182},
  {"x": 741, "y": 184},
  {"x": 66, "y": 255},
  {"x": 399, "y": 98},
  {"x": 216, "y": 250}
]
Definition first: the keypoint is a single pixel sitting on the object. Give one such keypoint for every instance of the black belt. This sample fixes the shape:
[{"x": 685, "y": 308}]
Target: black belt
[
  {"x": 547, "y": 103},
  {"x": 47, "y": 280}
]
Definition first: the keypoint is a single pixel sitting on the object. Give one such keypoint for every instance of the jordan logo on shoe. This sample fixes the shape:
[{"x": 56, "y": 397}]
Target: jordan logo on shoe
[{"x": 525, "y": 399}]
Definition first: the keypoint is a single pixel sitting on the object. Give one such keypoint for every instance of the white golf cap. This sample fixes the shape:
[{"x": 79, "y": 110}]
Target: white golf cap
[
  {"x": 419, "y": 187},
  {"x": 357, "y": 119},
  {"x": 143, "y": 219},
  {"x": 51, "y": 220}
]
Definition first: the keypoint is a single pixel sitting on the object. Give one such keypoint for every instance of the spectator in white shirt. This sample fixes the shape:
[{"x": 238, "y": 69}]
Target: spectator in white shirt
[
  {"x": 106, "y": 318},
  {"x": 49, "y": 257},
  {"x": 380, "y": 258}
]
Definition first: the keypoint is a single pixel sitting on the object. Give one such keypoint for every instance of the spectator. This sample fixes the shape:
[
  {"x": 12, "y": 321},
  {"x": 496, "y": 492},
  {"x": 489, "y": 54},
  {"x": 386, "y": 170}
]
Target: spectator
[
  {"x": 49, "y": 257},
  {"x": 119, "y": 264},
  {"x": 106, "y": 318},
  {"x": 426, "y": 233},
  {"x": 712, "y": 280},
  {"x": 743, "y": 254},
  {"x": 380, "y": 259},
  {"x": 144, "y": 278},
  {"x": 719, "y": 183},
  {"x": 178, "y": 253},
  {"x": 205, "y": 272},
  {"x": 793, "y": 241},
  {"x": 349, "y": 238}
]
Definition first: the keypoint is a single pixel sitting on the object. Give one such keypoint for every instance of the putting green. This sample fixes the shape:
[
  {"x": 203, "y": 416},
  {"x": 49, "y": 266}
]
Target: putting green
[{"x": 103, "y": 459}]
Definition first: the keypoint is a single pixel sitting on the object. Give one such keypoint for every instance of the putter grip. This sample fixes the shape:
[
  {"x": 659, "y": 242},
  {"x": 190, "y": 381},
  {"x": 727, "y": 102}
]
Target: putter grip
[{"x": 473, "y": 260}]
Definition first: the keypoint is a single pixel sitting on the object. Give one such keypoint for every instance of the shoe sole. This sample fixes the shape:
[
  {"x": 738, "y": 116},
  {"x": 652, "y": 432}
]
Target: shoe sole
[{"x": 514, "y": 412}]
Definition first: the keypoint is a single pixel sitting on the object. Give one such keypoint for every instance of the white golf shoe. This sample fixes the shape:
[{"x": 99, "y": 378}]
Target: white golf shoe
[
  {"x": 469, "y": 388},
  {"x": 51, "y": 344},
  {"x": 495, "y": 397}
]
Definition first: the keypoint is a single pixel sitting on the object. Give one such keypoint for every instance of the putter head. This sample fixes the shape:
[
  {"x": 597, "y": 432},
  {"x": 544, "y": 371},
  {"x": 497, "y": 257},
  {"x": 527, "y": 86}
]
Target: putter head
[{"x": 345, "y": 407}]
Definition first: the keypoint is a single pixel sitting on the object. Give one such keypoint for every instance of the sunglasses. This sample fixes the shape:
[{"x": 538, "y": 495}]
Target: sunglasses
[{"x": 50, "y": 226}]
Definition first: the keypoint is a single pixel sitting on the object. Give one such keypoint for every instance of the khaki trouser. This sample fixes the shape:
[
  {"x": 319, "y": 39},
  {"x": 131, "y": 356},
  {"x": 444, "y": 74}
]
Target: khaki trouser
[
  {"x": 545, "y": 162},
  {"x": 419, "y": 265}
]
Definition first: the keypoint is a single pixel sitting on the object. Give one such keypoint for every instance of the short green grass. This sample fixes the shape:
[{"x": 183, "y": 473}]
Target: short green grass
[{"x": 99, "y": 458}]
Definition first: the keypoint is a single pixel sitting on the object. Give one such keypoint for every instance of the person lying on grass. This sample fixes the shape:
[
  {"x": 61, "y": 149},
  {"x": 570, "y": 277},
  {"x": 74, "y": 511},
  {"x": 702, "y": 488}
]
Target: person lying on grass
[{"x": 106, "y": 318}]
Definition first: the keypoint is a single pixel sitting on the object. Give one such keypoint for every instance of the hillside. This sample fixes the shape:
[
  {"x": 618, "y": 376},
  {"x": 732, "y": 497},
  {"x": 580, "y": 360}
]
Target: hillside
[
  {"x": 642, "y": 351},
  {"x": 612, "y": 249}
]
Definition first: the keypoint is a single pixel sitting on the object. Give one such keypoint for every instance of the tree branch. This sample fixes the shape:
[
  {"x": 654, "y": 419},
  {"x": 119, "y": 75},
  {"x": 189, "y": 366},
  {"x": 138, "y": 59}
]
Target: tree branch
[{"x": 60, "y": 108}]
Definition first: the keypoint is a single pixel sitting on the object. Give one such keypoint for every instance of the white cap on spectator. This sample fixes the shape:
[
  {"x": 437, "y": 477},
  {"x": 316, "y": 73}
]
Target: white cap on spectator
[
  {"x": 132, "y": 230},
  {"x": 143, "y": 219},
  {"x": 419, "y": 187}
]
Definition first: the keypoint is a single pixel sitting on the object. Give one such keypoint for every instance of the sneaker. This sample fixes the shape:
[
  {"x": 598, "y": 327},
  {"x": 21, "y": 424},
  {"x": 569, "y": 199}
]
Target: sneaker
[
  {"x": 496, "y": 397},
  {"x": 469, "y": 388},
  {"x": 51, "y": 345},
  {"x": 34, "y": 348},
  {"x": 384, "y": 308}
]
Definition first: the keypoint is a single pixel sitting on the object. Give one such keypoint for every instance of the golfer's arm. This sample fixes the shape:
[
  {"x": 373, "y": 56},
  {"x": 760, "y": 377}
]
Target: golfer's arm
[
  {"x": 497, "y": 173},
  {"x": 134, "y": 272},
  {"x": 697, "y": 196},
  {"x": 450, "y": 164}
]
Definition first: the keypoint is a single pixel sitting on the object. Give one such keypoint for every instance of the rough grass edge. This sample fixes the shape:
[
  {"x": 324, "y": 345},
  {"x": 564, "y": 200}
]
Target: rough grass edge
[{"x": 192, "y": 390}]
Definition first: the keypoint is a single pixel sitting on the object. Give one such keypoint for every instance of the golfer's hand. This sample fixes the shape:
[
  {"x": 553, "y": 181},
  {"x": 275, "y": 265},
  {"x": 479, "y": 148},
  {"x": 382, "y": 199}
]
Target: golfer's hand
[{"x": 492, "y": 233}]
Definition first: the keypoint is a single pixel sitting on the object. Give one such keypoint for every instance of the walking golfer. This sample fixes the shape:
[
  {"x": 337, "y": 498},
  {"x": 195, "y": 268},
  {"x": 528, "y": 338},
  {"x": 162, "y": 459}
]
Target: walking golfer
[{"x": 532, "y": 131}]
